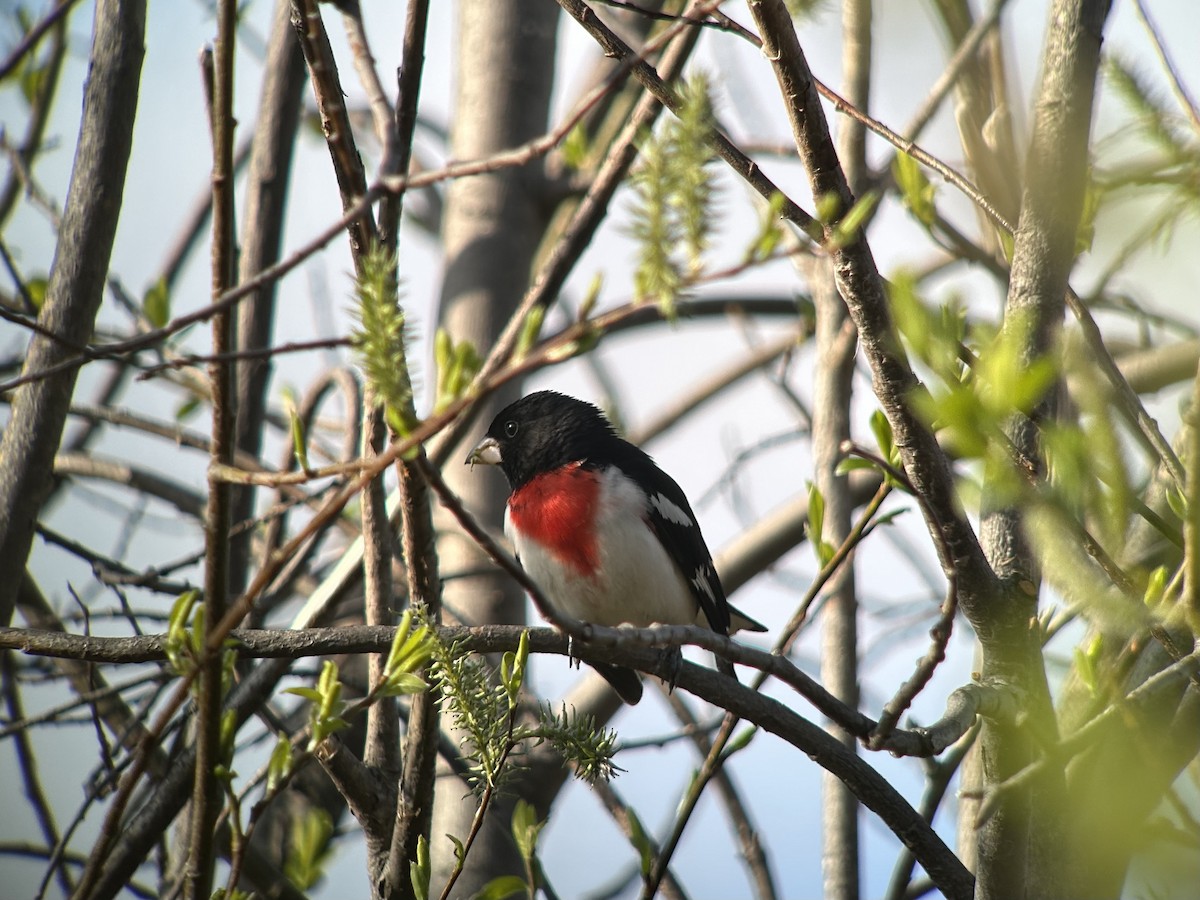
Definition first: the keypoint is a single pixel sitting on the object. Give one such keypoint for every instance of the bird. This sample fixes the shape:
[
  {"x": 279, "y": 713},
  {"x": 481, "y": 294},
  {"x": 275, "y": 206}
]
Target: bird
[{"x": 608, "y": 536}]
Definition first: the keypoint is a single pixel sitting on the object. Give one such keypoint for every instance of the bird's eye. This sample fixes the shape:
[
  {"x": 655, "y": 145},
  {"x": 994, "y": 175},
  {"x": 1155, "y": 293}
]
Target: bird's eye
[{"x": 511, "y": 428}]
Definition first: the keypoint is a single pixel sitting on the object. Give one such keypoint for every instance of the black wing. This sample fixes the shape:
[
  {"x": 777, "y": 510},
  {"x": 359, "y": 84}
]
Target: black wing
[{"x": 672, "y": 520}]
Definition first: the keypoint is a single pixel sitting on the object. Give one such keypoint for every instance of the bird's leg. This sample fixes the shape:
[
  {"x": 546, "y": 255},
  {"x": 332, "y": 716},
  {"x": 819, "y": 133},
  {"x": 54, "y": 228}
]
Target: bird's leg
[{"x": 670, "y": 663}]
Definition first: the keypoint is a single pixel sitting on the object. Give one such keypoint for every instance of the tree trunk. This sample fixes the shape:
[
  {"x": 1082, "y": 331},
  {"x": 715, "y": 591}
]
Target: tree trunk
[{"x": 492, "y": 226}]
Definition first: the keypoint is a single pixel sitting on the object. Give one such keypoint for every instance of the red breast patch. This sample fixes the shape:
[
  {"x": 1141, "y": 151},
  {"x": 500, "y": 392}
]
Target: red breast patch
[{"x": 557, "y": 510}]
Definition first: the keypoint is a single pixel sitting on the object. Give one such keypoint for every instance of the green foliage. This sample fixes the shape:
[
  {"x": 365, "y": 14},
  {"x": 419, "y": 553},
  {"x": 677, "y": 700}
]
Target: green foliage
[
  {"x": 770, "y": 231},
  {"x": 279, "y": 767},
  {"x": 228, "y": 737},
  {"x": 525, "y": 829},
  {"x": 674, "y": 200},
  {"x": 457, "y": 365},
  {"x": 977, "y": 391},
  {"x": 1158, "y": 155},
  {"x": 480, "y": 710},
  {"x": 1087, "y": 663},
  {"x": 641, "y": 843},
  {"x": 816, "y": 526},
  {"x": 380, "y": 339},
  {"x": 156, "y": 304},
  {"x": 1156, "y": 588},
  {"x": 1156, "y": 122},
  {"x": 935, "y": 335},
  {"x": 35, "y": 288},
  {"x": 805, "y": 9},
  {"x": 309, "y": 848},
  {"x": 185, "y": 632},
  {"x": 580, "y": 741},
  {"x": 420, "y": 870},
  {"x": 888, "y": 451},
  {"x": 885, "y": 440},
  {"x": 502, "y": 887},
  {"x": 296, "y": 429},
  {"x": 1085, "y": 234},
  {"x": 512, "y": 670},
  {"x": 916, "y": 190},
  {"x": 590, "y": 298},
  {"x": 325, "y": 712},
  {"x": 411, "y": 649},
  {"x": 531, "y": 327},
  {"x": 1089, "y": 477},
  {"x": 188, "y": 408},
  {"x": 849, "y": 226},
  {"x": 575, "y": 147},
  {"x": 827, "y": 208}
]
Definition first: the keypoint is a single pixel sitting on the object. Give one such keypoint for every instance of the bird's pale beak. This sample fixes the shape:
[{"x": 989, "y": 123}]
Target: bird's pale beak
[{"x": 486, "y": 451}]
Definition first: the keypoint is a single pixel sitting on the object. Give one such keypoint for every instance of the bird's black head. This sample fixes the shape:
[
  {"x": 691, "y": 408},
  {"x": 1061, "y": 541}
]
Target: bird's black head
[{"x": 542, "y": 432}]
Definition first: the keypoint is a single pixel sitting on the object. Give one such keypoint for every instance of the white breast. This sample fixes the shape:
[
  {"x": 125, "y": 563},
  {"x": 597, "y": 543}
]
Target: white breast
[{"x": 636, "y": 582}]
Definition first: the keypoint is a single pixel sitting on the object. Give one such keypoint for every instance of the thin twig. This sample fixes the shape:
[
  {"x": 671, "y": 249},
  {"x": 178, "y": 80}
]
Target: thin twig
[{"x": 1160, "y": 48}]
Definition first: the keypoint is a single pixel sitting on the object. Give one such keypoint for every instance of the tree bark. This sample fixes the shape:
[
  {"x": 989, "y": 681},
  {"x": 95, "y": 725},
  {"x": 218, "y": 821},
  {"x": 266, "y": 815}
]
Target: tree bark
[
  {"x": 836, "y": 343},
  {"x": 492, "y": 227},
  {"x": 76, "y": 284},
  {"x": 1015, "y": 845}
]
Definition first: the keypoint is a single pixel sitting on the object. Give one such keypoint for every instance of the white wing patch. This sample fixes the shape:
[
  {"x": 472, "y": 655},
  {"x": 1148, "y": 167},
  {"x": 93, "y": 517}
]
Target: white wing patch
[
  {"x": 670, "y": 510},
  {"x": 703, "y": 583}
]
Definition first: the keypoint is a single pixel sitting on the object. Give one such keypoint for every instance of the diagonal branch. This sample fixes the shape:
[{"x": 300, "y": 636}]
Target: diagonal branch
[
  {"x": 76, "y": 284},
  {"x": 862, "y": 289}
]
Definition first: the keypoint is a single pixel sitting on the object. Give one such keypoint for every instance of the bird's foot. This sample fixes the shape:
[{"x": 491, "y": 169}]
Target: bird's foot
[{"x": 670, "y": 664}]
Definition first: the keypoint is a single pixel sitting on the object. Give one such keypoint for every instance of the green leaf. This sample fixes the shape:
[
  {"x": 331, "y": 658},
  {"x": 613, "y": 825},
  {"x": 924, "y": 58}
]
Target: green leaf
[
  {"x": 740, "y": 741},
  {"x": 1177, "y": 502},
  {"x": 916, "y": 190},
  {"x": 178, "y": 644},
  {"x": 525, "y": 828},
  {"x": 512, "y": 670},
  {"x": 590, "y": 298},
  {"x": 1156, "y": 587},
  {"x": 187, "y": 409},
  {"x": 884, "y": 440},
  {"x": 419, "y": 871},
  {"x": 575, "y": 147},
  {"x": 457, "y": 365},
  {"x": 816, "y": 525},
  {"x": 641, "y": 842},
  {"x": 531, "y": 327},
  {"x": 889, "y": 517},
  {"x": 852, "y": 464},
  {"x": 156, "y": 304},
  {"x": 411, "y": 649},
  {"x": 298, "y": 432},
  {"x": 309, "y": 848},
  {"x": 1085, "y": 235},
  {"x": 1087, "y": 664},
  {"x": 770, "y": 231},
  {"x": 460, "y": 849},
  {"x": 306, "y": 692},
  {"x": 228, "y": 735},
  {"x": 502, "y": 887},
  {"x": 827, "y": 208},
  {"x": 36, "y": 289},
  {"x": 279, "y": 767},
  {"x": 848, "y": 228},
  {"x": 403, "y": 684}
]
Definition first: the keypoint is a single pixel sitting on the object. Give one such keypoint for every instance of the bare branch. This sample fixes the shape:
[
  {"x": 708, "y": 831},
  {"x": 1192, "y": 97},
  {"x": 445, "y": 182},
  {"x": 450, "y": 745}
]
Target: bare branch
[{"x": 76, "y": 284}]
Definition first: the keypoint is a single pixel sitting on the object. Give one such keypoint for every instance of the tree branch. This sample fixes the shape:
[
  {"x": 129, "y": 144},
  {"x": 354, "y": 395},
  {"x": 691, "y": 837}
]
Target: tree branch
[{"x": 76, "y": 284}]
